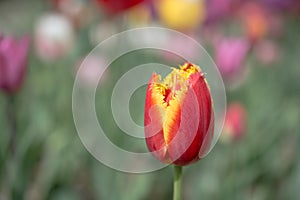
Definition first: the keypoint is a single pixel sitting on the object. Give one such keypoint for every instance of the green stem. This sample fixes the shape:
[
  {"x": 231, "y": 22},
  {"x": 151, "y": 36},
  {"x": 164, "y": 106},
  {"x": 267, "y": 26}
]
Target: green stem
[
  {"x": 177, "y": 182},
  {"x": 11, "y": 117}
]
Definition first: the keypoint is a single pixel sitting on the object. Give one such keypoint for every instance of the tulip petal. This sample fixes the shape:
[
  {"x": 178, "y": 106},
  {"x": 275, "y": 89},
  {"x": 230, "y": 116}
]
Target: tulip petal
[
  {"x": 153, "y": 119},
  {"x": 2, "y": 71},
  {"x": 179, "y": 116},
  {"x": 13, "y": 62}
]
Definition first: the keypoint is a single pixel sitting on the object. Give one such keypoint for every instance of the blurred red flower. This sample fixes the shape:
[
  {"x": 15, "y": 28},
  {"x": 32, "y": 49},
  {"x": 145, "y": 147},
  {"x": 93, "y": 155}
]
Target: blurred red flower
[
  {"x": 235, "y": 121},
  {"x": 118, "y": 6},
  {"x": 13, "y": 62},
  {"x": 179, "y": 116},
  {"x": 255, "y": 19}
]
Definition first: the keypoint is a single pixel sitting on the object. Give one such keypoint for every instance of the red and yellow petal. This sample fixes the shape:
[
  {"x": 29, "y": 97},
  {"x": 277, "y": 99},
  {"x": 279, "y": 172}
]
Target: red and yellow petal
[{"x": 178, "y": 115}]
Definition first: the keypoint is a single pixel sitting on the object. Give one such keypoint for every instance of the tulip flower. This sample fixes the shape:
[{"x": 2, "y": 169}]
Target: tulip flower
[
  {"x": 179, "y": 119},
  {"x": 118, "y": 6},
  {"x": 230, "y": 55},
  {"x": 13, "y": 63},
  {"x": 255, "y": 19},
  {"x": 184, "y": 15},
  {"x": 179, "y": 116},
  {"x": 235, "y": 121},
  {"x": 54, "y": 37}
]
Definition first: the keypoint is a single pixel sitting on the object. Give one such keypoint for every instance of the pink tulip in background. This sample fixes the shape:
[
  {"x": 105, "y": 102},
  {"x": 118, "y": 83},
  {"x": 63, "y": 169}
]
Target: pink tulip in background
[
  {"x": 13, "y": 62},
  {"x": 230, "y": 54}
]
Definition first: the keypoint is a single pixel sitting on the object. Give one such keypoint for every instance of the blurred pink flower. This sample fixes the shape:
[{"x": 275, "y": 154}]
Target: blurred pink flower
[
  {"x": 235, "y": 121},
  {"x": 267, "y": 52},
  {"x": 91, "y": 69},
  {"x": 54, "y": 36},
  {"x": 13, "y": 62},
  {"x": 189, "y": 52},
  {"x": 230, "y": 54}
]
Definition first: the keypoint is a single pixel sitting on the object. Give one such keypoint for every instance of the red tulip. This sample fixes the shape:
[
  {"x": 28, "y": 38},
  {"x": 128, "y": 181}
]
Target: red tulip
[
  {"x": 179, "y": 116},
  {"x": 118, "y": 6},
  {"x": 13, "y": 63},
  {"x": 235, "y": 121}
]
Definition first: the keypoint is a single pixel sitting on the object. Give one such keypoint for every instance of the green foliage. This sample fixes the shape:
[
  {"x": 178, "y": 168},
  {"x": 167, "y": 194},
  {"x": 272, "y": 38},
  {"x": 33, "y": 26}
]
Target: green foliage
[{"x": 51, "y": 163}]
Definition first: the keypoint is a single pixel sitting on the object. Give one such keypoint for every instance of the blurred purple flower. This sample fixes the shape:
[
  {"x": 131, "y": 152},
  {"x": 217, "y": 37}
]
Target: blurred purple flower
[
  {"x": 282, "y": 5},
  {"x": 13, "y": 62},
  {"x": 217, "y": 9},
  {"x": 230, "y": 54}
]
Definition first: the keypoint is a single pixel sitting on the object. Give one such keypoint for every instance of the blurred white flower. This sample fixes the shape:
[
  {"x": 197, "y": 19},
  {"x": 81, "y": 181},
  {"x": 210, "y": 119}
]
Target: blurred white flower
[{"x": 54, "y": 36}]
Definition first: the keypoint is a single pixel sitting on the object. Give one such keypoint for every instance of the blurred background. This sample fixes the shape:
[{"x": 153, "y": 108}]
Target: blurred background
[{"x": 254, "y": 43}]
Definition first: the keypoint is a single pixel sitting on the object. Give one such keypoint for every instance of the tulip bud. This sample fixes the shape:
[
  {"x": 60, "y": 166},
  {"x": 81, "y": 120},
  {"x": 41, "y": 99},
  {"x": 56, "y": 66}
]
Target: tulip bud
[
  {"x": 13, "y": 63},
  {"x": 179, "y": 116}
]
